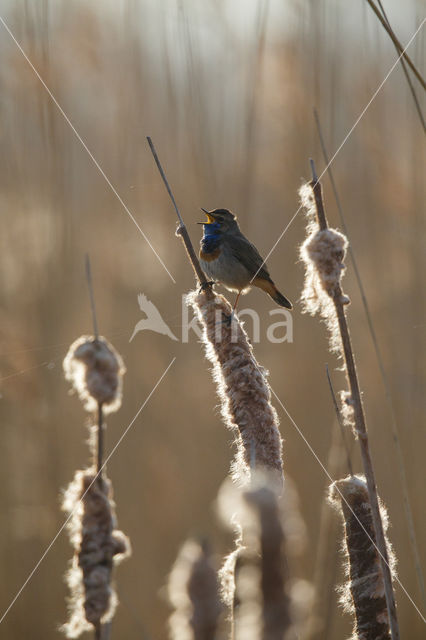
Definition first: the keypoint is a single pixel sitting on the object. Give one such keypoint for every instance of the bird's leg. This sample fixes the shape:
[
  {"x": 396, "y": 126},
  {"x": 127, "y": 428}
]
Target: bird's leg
[
  {"x": 228, "y": 319},
  {"x": 236, "y": 302}
]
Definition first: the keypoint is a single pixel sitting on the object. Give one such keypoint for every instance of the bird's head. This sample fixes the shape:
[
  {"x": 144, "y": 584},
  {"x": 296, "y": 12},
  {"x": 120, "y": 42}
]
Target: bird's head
[{"x": 221, "y": 219}]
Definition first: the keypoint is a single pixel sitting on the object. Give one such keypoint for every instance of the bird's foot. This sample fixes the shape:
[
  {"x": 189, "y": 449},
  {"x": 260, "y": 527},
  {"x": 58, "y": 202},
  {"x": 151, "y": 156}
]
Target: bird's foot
[{"x": 205, "y": 285}]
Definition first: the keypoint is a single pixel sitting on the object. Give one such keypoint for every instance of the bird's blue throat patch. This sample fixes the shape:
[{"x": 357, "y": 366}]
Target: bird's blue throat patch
[{"x": 211, "y": 238}]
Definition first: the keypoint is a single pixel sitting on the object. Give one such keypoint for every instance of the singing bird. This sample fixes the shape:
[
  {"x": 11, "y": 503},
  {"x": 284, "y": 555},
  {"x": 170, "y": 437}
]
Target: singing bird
[{"x": 227, "y": 257}]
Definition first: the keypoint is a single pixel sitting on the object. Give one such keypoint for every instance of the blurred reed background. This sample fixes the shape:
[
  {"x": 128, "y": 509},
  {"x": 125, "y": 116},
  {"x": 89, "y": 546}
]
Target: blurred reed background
[{"x": 227, "y": 91}]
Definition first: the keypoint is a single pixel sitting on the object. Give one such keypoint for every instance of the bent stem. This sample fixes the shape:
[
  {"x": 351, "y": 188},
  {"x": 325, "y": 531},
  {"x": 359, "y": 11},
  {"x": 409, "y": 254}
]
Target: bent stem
[{"x": 361, "y": 426}]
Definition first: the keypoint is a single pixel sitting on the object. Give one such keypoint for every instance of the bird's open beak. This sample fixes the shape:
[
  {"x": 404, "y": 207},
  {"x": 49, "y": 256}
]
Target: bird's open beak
[{"x": 210, "y": 218}]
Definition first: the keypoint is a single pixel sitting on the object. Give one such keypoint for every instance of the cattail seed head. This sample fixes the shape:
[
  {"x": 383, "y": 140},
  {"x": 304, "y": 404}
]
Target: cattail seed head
[
  {"x": 242, "y": 387},
  {"x": 194, "y": 593},
  {"x": 255, "y": 581},
  {"x": 98, "y": 546},
  {"x": 364, "y": 594},
  {"x": 95, "y": 370},
  {"x": 323, "y": 253}
]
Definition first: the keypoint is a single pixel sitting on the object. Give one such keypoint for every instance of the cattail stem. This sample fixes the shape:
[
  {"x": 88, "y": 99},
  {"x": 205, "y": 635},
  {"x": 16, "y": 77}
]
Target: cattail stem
[
  {"x": 182, "y": 230},
  {"x": 361, "y": 427},
  {"x": 340, "y": 422},
  {"x": 100, "y": 441},
  {"x": 317, "y": 189},
  {"x": 393, "y": 421},
  {"x": 91, "y": 296}
]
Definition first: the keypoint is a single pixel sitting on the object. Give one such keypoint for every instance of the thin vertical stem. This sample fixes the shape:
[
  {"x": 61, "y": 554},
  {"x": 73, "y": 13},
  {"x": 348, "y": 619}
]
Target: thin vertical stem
[
  {"x": 317, "y": 189},
  {"x": 92, "y": 296},
  {"x": 340, "y": 422},
  {"x": 100, "y": 441},
  {"x": 388, "y": 395},
  {"x": 361, "y": 429},
  {"x": 99, "y": 454}
]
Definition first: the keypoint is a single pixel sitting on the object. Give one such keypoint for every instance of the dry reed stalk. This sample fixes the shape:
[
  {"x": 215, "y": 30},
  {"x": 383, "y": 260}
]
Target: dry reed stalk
[
  {"x": 393, "y": 423},
  {"x": 244, "y": 392},
  {"x": 323, "y": 253},
  {"x": 364, "y": 593},
  {"x": 95, "y": 370},
  {"x": 194, "y": 593},
  {"x": 406, "y": 74},
  {"x": 404, "y": 55}
]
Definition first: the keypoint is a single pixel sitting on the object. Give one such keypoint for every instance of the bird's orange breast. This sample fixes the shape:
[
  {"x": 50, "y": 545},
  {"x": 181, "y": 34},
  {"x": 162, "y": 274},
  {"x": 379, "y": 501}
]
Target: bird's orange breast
[{"x": 209, "y": 257}]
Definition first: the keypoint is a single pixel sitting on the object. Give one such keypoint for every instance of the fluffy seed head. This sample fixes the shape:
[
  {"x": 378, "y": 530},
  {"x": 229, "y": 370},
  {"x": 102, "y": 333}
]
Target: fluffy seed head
[
  {"x": 255, "y": 583},
  {"x": 323, "y": 253},
  {"x": 98, "y": 546},
  {"x": 363, "y": 595},
  {"x": 242, "y": 387},
  {"x": 194, "y": 593},
  {"x": 95, "y": 370}
]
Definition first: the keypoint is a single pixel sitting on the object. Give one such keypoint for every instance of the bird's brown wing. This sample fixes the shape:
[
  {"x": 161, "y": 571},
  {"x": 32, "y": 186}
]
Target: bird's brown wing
[{"x": 249, "y": 256}]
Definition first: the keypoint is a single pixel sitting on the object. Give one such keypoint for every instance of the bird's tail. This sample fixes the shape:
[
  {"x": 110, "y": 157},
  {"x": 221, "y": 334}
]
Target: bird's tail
[{"x": 271, "y": 290}]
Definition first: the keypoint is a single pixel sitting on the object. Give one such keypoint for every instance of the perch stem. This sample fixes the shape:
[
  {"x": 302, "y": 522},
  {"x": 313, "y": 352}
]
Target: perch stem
[
  {"x": 361, "y": 428},
  {"x": 182, "y": 230}
]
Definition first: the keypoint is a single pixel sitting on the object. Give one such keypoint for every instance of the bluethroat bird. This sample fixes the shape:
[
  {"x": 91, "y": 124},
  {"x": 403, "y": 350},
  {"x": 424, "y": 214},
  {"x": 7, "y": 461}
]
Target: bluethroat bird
[{"x": 227, "y": 257}]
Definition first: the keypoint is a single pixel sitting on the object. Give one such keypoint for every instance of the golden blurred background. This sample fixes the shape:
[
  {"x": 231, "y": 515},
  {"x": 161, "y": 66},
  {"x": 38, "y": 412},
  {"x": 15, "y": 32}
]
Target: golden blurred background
[{"x": 227, "y": 91}]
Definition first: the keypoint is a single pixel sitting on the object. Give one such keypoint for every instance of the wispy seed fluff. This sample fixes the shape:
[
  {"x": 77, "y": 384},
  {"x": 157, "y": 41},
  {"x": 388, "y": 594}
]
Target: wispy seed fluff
[
  {"x": 363, "y": 595},
  {"x": 95, "y": 370},
  {"x": 244, "y": 392},
  {"x": 323, "y": 253},
  {"x": 98, "y": 546},
  {"x": 194, "y": 593}
]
